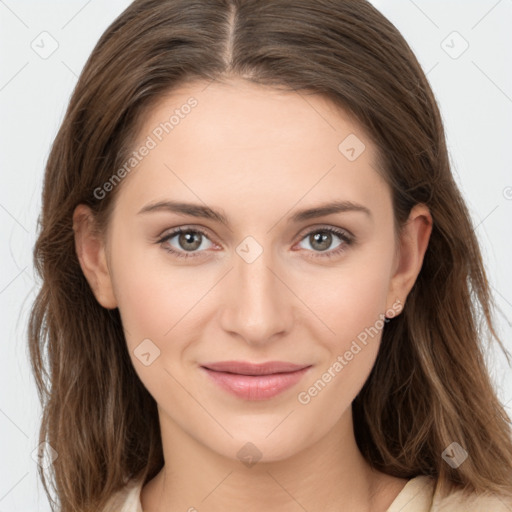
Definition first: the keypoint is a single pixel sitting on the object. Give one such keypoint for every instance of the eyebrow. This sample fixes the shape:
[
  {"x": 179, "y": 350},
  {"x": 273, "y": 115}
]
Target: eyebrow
[{"x": 200, "y": 211}]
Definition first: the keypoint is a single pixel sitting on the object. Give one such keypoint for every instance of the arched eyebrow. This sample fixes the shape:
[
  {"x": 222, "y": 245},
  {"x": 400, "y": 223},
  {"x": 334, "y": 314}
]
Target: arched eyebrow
[
  {"x": 328, "y": 209},
  {"x": 202, "y": 211}
]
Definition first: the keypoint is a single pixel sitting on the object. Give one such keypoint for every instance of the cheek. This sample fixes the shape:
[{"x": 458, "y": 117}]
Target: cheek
[
  {"x": 352, "y": 297},
  {"x": 155, "y": 306},
  {"x": 149, "y": 303},
  {"x": 351, "y": 301},
  {"x": 353, "y": 306}
]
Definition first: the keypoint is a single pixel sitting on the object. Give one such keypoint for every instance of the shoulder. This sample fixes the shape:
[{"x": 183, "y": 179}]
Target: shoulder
[
  {"x": 462, "y": 501},
  {"x": 126, "y": 499},
  {"x": 422, "y": 494},
  {"x": 416, "y": 496}
]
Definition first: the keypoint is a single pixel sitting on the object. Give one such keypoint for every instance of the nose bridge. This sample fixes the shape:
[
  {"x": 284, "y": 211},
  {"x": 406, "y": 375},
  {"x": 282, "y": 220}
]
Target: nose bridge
[{"x": 256, "y": 307}]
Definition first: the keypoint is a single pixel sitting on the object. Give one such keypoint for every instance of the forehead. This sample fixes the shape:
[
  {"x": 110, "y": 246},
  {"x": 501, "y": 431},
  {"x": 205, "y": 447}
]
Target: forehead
[
  {"x": 246, "y": 143},
  {"x": 244, "y": 114}
]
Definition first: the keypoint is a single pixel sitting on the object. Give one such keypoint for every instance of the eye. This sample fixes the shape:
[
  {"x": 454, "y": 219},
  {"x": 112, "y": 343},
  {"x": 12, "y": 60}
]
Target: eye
[
  {"x": 320, "y": 239},
  {"x": 189, "y": 240}
]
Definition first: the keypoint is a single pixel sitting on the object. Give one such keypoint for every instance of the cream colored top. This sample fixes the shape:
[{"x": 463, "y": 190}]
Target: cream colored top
[{"x": 418, "y": 495}]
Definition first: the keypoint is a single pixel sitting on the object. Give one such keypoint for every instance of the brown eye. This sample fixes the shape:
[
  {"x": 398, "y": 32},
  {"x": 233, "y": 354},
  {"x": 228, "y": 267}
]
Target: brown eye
[
  {"x": 187, "y": 244},
  {"x": 322, "y": 239},
  {"x": 189, "y": 240}
]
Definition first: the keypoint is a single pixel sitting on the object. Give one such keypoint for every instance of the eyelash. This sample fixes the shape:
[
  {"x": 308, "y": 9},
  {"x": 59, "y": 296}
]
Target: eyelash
[{"x": 343, "y": 235}]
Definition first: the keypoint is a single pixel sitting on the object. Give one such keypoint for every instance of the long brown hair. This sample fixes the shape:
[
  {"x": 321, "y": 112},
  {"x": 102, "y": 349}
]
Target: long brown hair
[{"x": 429, "y": 386}]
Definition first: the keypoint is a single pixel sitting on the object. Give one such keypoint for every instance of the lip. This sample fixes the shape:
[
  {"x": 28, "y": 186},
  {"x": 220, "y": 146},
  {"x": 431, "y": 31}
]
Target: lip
[
  {"x": 246, "y": 368},
  {"x": 255, "y": 381}
]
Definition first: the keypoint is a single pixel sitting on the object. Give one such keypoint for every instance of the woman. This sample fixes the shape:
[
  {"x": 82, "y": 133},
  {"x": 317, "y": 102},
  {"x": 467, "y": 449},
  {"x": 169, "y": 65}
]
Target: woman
[{"x": 317, "y": 345}]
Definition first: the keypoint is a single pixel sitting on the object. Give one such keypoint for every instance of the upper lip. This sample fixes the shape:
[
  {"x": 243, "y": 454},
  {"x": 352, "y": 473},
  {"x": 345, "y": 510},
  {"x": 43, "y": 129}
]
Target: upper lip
[{"x": 246, "y": 368}]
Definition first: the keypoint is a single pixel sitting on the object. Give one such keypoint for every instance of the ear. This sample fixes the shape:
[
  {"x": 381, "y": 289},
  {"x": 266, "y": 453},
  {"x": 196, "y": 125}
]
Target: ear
[
  {"x": 90, "y": 249},
  {"x": 409, "y": 259}
]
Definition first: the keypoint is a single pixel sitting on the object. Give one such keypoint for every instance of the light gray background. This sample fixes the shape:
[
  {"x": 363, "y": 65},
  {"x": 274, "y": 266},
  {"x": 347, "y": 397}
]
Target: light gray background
[{"x": 474, "y": 91}]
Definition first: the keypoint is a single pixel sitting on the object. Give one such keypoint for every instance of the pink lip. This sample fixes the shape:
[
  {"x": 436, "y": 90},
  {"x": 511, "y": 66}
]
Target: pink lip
[{"x": 255, "y": 381}]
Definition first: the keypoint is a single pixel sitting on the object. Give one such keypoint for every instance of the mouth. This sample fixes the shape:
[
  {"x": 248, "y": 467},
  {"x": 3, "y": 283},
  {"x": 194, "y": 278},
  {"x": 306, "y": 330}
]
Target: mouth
[
  {"x": 251, "y": 381},
  {"x": 246, "y": 368}
]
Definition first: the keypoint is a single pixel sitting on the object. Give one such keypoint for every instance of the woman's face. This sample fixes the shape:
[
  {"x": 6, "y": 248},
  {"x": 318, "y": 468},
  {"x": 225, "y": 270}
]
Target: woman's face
[{"x": 270, "y": 282}]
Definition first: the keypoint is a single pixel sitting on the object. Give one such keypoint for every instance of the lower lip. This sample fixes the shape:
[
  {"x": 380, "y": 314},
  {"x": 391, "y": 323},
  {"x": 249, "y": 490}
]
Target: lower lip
[{"x": 256, "y": 387}]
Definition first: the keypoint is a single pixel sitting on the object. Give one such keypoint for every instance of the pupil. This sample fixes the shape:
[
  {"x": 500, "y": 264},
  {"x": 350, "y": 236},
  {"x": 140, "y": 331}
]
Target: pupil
[{"x": 187, "y": 238}]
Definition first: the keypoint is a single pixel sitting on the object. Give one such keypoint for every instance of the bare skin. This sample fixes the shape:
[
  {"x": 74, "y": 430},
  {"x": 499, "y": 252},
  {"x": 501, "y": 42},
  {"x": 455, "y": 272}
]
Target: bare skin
[{"x": 258, "y": 156}]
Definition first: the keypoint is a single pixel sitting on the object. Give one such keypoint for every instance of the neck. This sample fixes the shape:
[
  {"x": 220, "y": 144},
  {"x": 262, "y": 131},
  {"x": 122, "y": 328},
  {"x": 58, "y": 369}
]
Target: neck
[{"x": 329, "y": 475}]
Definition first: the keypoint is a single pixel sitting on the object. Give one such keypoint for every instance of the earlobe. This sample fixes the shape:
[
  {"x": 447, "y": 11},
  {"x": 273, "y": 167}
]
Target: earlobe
[
  {"x": 90, "y": 250},
  {"x": 413, "y": 245}
]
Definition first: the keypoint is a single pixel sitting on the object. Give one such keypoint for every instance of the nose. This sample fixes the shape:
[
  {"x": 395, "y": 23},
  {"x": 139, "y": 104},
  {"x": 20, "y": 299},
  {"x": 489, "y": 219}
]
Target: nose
[{"x": 258, "y": 305}]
